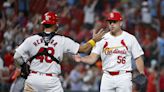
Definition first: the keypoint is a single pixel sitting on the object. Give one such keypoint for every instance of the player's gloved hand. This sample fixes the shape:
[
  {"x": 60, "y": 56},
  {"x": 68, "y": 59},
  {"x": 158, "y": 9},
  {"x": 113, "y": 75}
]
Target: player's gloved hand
[
  {"x": 140, "y": 81},
  {"x": 25, "y": 70}
]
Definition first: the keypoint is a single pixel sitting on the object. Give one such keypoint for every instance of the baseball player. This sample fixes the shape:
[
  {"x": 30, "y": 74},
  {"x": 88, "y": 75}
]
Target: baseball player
[
  {"x": 44, "y": 51},
  {"x": 116, "y": 49}
]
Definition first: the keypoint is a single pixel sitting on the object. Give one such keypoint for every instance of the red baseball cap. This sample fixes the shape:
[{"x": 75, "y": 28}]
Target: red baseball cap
[{"x": 114, "y": 16}]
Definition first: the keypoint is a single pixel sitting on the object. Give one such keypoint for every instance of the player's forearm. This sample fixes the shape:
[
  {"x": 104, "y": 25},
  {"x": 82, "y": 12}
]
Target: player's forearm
[
  {"x": 87, "y": 46},
  {"x": 140, "y": 65},
  {"x": 97, "y": 36},
  {"x": 88, "y": 59},
  {"x": 18, "y": 60}
]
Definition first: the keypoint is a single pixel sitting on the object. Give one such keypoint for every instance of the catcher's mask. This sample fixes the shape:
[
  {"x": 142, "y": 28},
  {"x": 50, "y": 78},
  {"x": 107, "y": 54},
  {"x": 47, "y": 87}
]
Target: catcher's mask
[{"x": 49, "y": 18}]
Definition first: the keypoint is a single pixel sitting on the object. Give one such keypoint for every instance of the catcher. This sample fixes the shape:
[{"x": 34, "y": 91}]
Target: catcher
[{"x": 44, "y": 51}]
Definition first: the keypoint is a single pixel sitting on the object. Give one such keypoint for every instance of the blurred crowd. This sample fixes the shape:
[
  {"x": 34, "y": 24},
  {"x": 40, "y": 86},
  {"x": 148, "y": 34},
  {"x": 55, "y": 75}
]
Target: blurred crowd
[{"x": 142, "y": 18}]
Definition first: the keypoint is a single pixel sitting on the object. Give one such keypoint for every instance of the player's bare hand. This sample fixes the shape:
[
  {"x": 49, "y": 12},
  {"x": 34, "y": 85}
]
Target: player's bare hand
[
  {"x": 98, "y": 34},
  {"x": 77, "y": 58}
]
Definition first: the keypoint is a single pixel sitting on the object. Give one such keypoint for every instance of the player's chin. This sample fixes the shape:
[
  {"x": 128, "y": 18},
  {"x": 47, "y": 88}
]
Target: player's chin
[{"x": 112, "y": 30}]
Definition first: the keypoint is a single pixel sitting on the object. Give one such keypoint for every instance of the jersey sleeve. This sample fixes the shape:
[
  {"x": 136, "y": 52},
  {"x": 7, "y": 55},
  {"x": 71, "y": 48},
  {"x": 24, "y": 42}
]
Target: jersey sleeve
[
  {"x": 136, "y": 48},
  {"x": 71, "y": 46},
  {"x": 23, "y": 49},
  {"x": 97, "y": 48}
]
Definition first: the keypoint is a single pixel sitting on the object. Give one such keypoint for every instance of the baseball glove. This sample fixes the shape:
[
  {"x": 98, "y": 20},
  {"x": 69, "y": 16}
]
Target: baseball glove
[
  {"x": 25, "y": 70},
  {"x": 140, "y": 81}
]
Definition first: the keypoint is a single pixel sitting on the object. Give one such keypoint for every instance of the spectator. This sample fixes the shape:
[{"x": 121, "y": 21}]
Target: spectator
[
  {"x": 76, "y": 77},
  {"x": 23, "y": 6},
  {"x": 145, "y": 13},
  {"x": 162, "y": 8},
  {"x": 1, "y": 64},
  {"x": 89, "y": 14},
  {"x": 8, "y": 58},
  {"x": 160, "y": 42},
  {"x": 152, "y": 80},
  {"x": 161, "y": 80}
]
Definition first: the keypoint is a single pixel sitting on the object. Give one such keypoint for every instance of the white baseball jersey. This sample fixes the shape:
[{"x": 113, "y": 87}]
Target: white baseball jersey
[
  {"x": 117, "y": 52},
  {"x": 56, "y": 47}
]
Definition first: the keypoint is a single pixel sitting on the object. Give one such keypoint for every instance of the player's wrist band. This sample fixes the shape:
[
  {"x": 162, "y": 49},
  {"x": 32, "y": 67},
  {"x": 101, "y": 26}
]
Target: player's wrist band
[{"x": 92, "y": 42}]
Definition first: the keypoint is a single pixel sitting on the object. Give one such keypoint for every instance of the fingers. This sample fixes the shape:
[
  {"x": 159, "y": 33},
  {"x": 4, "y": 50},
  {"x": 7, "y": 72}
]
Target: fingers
[
  {"x": 101, "y": 32},
  {"x": 94, "y": 31},
  {"x": 98, "y": 34},
  {"x": 97, "y": 27}
]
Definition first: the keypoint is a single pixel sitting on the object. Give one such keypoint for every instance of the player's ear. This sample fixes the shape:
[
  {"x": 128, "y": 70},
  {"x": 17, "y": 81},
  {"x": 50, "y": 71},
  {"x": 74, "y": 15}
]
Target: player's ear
[{"x": 121, "y": 23}]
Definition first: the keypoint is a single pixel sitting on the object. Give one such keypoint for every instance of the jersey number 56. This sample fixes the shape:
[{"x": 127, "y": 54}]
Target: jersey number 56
[{"x": 121, "y": 59}]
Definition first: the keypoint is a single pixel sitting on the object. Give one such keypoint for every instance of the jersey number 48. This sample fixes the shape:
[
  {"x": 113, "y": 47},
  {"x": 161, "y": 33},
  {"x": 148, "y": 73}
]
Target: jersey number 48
[{"x": 46, "y": 58}]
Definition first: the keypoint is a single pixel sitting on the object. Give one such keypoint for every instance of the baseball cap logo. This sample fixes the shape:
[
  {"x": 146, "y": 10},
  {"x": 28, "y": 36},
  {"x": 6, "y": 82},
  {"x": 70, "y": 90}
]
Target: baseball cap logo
[
  {"x": 114, "y": 16},
  {"x": 47, "y": 17},
  {"x": 111, "y": 15}
]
